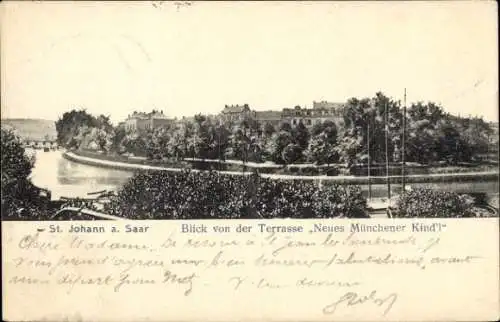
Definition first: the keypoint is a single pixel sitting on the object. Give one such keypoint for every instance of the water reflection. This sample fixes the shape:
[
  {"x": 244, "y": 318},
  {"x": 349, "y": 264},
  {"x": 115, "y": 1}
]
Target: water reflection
[{"x": 69, "y": 179}]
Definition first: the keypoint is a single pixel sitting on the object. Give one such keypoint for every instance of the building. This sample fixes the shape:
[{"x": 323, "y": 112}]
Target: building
[
  {"x": 232, "y": 113},
  {"x": 321, "y": 112},
  {"x": 328, "y": 105},
  {"x": 139, "y": 121},
  {"x": 268, "y": 117}
]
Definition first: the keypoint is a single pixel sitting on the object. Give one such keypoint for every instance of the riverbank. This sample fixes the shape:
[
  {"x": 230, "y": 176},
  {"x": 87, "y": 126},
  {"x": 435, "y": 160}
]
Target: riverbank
[{"x": 486, "y": 176}]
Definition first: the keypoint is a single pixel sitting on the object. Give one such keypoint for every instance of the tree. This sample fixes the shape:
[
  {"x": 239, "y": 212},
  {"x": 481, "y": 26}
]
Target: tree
[
  {"x": 268, "y": 129},
  {"x": 451, "y": 147},
  {"x": 285, "y": 126},
  {"x": 221, "y": 141},
  {"x": 16, "y": 166},
  {"x": 276, "y": 145},
  {"x": 475, "y": 134},
  {"x": 117, "y": 140},
  {"x": 157, "y": 143},
  {"x": 359, "y": 115},
  {"x": 301, "y": 135},
  {"x": 204, "y": 138},
  {"x": 435, "y": 136},
  {"x": 323, "y": 146},
  {"x": 291, "y": 153},
  {"x": 177, "y": 143},
  {"x": 74, "y": 125},
  {"x": 321, "y": 150},
  {"x": 238, "y": 146},
  {"x": 243, "y": 140}
]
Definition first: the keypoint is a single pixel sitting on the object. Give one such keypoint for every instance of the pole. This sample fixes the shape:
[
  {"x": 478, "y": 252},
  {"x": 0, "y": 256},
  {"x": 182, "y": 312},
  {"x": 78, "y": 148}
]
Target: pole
[
  {"x": 403, "y": 157},
  {"x": 387, "y": 153},
  {"x": 218, "y": 144},
  {"x": 369, "y": 161},
  {"x": 245, "y": 148}
]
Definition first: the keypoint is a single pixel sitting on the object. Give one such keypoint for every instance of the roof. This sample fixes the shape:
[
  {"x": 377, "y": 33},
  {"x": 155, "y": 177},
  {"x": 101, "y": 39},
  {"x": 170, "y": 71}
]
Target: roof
[
  {"x": 328, "y": 105},
  {"x": 268, "y": 115},
  {"x": 151, "y": 115}
]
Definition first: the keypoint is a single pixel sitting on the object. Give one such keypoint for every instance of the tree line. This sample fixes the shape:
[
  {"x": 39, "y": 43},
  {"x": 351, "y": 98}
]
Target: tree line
[
  {"x": 182, "y": 195},
  {"x": 432, "y": 135}
]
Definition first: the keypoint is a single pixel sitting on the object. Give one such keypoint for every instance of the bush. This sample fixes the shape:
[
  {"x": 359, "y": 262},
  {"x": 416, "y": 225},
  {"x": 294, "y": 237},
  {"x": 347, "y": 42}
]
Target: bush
[
  {"x": 427, "y": 203},
  {"x": 209, "y": 195},
  {"x": 332, "y": 172},
  {"x": 19, "y": 196},
  {"x": 310, "y": 171}
]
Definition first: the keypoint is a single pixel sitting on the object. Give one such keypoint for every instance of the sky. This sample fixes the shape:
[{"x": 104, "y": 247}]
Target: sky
[{"x": 118, "y": 57}]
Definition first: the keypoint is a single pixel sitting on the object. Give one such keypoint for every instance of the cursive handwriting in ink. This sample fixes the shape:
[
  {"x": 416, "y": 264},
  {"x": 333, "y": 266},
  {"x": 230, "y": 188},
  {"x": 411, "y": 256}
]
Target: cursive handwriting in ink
[
  {"x": 354, "y": 299},
  {"x": 172, "y": 278}
]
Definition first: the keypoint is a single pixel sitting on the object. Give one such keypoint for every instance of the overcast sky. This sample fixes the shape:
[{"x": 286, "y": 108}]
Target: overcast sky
[{"x": 114, "y": 58}]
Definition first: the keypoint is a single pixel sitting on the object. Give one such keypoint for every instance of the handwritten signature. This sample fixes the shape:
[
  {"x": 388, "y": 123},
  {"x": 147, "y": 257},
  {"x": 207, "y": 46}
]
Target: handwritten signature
[{"x": 354, "y": 299}]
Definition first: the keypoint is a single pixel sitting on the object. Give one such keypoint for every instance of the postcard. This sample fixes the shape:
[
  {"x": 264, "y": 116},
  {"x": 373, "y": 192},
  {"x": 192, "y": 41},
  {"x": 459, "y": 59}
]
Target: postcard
[{"x": 254, "y": 161}]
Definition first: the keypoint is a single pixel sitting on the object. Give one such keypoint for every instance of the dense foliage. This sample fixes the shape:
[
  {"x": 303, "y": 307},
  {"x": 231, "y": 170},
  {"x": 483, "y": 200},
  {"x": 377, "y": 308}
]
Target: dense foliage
[
  {"x": 81, "y": 130},
  {"x": 204, "y": 195},
  {"x": 18, "y": 193},
  {"x": 428, "y": 203},
  {"x": 432, "y": 136}
]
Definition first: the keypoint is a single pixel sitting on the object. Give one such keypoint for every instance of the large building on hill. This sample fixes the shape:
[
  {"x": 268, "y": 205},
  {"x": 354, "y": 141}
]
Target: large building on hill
[
  {"x": 139, "y": 121},
  {"x": 321, "y": 112},
  {"x": 232, "y": 113}
]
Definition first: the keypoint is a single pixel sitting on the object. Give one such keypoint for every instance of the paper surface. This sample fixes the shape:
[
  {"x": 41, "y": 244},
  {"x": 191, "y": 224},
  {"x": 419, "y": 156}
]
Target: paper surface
[{"x": 327, "y": 272}]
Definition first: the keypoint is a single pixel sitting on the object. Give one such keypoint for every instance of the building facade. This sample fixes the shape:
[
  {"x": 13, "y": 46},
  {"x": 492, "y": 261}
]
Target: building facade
[
  {"x": 320, "y": 113},
  {"x": 139, "y": 121},
  {"x": 232, "y": 113}
]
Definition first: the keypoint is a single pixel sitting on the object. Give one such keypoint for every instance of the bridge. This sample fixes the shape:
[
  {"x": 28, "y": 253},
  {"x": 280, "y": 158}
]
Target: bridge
[{"x": 40, "y": 144}]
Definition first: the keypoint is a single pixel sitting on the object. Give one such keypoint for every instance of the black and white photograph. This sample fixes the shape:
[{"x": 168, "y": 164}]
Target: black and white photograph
[
  {"x": 249, "y": 161},
  {"x": 335, "y": 112}
]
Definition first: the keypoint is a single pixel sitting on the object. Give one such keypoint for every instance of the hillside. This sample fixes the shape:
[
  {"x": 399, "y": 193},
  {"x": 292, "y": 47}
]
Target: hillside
[{"x": 33, "y": 129}]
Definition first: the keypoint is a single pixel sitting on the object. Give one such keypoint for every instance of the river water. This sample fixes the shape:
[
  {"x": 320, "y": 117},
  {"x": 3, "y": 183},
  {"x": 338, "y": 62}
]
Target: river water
[
  {"x": 69, "y": 179},
  {"x": 65, "y": 178}
]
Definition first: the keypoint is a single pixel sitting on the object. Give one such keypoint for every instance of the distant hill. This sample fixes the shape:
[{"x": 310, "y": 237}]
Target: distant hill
[{"x": 32, "y": 129}]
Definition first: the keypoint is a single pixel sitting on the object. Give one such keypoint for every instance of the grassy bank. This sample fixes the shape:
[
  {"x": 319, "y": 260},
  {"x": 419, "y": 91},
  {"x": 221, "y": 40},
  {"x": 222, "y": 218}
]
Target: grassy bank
[
  {"x": 124, "y": 163},
  {"x": 132, "y": 160},
  {"x": 361, "y": 170}
]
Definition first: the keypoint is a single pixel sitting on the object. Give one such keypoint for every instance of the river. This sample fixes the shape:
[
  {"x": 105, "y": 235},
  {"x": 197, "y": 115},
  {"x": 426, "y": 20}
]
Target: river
[{"x": 69, "y": 179}]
